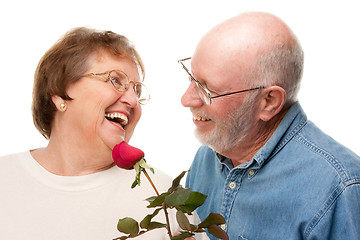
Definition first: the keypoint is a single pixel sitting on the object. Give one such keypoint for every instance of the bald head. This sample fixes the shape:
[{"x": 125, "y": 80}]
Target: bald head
[
  {"x": 243, "y": 41},
  {"x": 247, "y": 32}
]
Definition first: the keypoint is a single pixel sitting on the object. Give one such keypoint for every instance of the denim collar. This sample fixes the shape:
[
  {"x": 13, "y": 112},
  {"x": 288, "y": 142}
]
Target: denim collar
[{"x": 294, "y": 120}]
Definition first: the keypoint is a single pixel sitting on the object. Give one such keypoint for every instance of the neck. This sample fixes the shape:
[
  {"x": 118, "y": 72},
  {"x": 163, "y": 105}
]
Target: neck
[
  {"x": 67, "y": 158},
  {"x": 255, "y": 140}
]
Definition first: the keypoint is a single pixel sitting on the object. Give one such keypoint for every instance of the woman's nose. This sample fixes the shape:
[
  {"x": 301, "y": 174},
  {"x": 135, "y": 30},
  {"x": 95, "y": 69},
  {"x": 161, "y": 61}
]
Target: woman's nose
[{"x": 129, "y": 96}]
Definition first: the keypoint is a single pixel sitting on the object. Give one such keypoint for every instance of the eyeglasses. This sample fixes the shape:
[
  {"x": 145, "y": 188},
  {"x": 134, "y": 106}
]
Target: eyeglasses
[
  {"x": 121, "y": 82},
  {"x": 203, "y": 92}
]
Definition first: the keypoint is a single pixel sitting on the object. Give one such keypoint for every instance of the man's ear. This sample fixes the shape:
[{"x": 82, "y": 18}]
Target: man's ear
[{"x": 272, "y": 102}]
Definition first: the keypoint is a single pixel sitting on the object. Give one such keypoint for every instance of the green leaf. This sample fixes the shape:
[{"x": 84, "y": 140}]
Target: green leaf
[
  {"x": 195, "y": 200},
  {"x": 137, "y": 176},
  {"x": 135, "y": 183},
  {"x": 151, "y": 199},
  {"x": 128, "y": 225},
  {"x": 145, "y": 223},
  {"x": 158, "y": 201},
  {"x": 212, "y": 219},
  {"x": 217, "y": 232},
  {"x": 184, "y": 209},
  {"x": 176, "y": 181},
  {"x": 181, "y": 236},
  {"x": 178, "y": 197},
  {"x": 183, "y": 221},
  {"x": 154, "y": 225},
  {"x": 199, "y": 230},
  {"x": 156, "y": 211}
]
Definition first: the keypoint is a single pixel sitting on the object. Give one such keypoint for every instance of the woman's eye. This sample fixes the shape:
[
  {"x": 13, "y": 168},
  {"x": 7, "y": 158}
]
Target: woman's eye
[
  {"x": 138, "y": 90},
  {"x": 115, "y": 81},
  {"x": 119, "y": 80}
]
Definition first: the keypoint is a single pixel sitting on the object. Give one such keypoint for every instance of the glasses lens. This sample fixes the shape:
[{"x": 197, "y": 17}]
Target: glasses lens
[
  {"x": 119, "y": 80},
  {"x": 142, "y": 93},
  {"x": 202, "y": 93}
]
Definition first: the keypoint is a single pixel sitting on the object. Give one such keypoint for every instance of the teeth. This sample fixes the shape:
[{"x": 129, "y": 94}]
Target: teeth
[
  {"x": 122, "y": 117},
  {"x": 198, "y": 118}
]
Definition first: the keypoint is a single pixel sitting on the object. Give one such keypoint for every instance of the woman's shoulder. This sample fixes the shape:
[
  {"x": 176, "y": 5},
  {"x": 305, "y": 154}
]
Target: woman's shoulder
[
  {"x": 11, "y": 165},
  {"x": 14, "y": 157}
]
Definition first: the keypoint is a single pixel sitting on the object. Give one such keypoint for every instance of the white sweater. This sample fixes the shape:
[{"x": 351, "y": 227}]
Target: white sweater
[{"x": 36, "y": 204}]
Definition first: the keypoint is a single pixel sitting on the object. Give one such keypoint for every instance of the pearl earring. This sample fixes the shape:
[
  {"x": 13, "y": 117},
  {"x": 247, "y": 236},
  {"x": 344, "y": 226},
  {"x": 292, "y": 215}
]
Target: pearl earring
[{"x": 62, "y": 106}]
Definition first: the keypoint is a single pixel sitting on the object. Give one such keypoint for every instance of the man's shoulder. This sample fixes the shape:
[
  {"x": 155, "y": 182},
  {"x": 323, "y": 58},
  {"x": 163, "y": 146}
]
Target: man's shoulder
[
  {"x": 203, "y": 155},
  {"x": 205, "y": 161},
  {"x": 340, "y": 158}
]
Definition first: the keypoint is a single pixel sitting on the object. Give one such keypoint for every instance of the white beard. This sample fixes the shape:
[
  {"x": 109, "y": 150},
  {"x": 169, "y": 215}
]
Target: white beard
[{"x": 231, "y": 132}]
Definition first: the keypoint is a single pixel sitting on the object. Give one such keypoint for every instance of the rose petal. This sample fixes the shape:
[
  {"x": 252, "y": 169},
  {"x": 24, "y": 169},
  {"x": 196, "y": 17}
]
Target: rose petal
[{"x": 125, "y": 156}]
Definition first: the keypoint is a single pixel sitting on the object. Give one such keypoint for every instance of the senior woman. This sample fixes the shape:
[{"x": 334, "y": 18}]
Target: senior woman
[{"x": 87, "y": 98}]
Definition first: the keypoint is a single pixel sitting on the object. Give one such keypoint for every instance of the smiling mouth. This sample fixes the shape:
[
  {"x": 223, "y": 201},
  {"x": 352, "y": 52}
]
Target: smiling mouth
[
  {"x": 199, "y": 118},
  {"x": 118, "y": 118}
]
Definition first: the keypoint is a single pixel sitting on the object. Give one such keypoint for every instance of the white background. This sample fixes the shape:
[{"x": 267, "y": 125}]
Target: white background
[{"x": 163, "y": 32}]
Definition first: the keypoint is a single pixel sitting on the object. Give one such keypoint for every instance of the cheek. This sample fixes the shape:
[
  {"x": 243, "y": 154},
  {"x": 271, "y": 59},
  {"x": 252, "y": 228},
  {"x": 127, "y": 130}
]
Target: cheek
[
  {"x": 129, "y": 129},
  {"x": 137, "y": 113},
  {"x": 219, "y": 110},
  {"x": 88, "y": 108}
]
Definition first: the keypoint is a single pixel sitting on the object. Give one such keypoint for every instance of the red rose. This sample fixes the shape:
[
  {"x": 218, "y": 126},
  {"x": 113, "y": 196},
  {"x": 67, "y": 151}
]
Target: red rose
[{"x": 125, "y": 156}]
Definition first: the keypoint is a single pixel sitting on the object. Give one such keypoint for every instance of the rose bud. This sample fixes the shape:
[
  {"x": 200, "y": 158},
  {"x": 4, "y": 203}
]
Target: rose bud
[{"x": 126, "y": 156}]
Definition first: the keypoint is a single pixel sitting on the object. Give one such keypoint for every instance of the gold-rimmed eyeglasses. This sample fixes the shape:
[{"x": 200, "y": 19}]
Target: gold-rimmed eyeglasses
[
  {"x": 120, "y": 82},
  {"x": 205, "y": 93}
]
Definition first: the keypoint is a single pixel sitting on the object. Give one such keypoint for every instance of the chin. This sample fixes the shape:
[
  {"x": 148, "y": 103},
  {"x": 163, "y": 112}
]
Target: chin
[
  {"x": 110, "y": 143},
  {"x": 216, "y": 140},
  {"x": 203, "y": 138},
  {"x": 128, "y": 135}
]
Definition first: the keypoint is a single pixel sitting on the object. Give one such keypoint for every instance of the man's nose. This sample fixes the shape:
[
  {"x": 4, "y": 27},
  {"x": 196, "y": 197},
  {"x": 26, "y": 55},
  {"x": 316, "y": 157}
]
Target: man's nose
[{"x": 191, "y": 97}]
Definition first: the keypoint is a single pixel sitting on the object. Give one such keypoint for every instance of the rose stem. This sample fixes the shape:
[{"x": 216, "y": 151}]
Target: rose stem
[{"x": 163, "y": 205}]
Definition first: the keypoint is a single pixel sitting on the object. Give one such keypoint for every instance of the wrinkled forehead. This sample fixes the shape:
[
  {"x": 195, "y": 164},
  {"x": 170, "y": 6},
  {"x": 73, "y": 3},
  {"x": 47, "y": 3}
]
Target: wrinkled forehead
[{"x": 219, "y": 57}]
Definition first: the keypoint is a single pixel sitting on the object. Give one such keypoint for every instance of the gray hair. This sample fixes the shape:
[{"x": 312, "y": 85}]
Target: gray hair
[{"x": 282, "y": 66}]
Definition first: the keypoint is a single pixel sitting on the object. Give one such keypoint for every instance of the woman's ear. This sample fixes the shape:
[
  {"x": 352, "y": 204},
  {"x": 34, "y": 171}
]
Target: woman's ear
[
  {"x": 272, "y": 102},
  {"x": 59, "y": 103}
]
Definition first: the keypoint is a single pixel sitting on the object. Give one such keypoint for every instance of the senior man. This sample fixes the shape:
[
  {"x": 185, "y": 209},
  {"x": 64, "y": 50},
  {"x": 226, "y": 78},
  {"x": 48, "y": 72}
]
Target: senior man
[{"x": 267, "y": 169}]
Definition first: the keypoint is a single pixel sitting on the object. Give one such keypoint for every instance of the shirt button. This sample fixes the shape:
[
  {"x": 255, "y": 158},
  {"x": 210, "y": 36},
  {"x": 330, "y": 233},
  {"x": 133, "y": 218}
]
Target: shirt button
[
  {"x": 232, "y": 185},
  {"x": 251, "y": 172},
  {"x": 223, "y": 226}
]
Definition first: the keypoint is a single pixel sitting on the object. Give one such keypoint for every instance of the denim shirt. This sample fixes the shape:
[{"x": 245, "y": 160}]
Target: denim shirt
[{"x": 301, "y": 184}]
